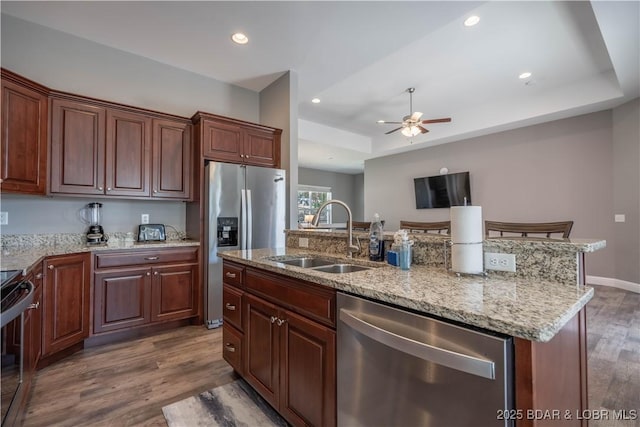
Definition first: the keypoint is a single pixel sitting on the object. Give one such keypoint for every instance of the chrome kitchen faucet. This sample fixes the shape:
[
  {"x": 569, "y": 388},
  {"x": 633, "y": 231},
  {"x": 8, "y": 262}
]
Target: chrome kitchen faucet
[{"x": 350, "y": 246}]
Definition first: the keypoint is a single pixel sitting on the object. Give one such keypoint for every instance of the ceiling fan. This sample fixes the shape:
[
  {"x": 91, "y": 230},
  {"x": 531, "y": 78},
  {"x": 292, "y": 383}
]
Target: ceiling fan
[{"x": 411, "y": 124}]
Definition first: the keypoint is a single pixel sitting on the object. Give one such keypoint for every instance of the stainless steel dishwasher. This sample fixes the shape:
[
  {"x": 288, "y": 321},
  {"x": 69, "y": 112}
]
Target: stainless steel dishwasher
[{"x": 397, "y": 368}]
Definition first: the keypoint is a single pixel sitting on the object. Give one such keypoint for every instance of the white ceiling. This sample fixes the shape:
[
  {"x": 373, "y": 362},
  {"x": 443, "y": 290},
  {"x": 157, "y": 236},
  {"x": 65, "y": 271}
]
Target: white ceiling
[{"x": 359, "y": 57}]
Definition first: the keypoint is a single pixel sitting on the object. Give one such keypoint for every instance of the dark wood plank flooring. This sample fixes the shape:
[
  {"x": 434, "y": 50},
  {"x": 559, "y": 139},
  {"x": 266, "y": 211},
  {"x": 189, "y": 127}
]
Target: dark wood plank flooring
[{"x": 127, "y": 384}]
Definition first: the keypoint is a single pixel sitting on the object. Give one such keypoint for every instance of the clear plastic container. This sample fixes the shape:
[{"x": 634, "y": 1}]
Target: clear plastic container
[
  {"x": 376, "y": 240},
  {"x": 405, "y": 255}
]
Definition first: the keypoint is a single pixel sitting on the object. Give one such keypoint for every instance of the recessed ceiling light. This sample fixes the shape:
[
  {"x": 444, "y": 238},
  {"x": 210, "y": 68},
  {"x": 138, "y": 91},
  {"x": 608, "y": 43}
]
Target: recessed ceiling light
[
  {"x": 316, "y": 100},
  {"x": 471, "y": 21},
  {"x": 240, "y": 38},
  {"x": 524, "y": 75}
]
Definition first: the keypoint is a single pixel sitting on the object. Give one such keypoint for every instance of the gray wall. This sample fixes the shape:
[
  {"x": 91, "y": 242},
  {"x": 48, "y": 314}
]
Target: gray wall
[
  {"x": 343, "y": 187},
  {"x": 278, "y": 108},
  {"x": 358, "y": 197},
  {"x": 561, "y": 170},
  {"x": 626, "y": 190},
  {"x": 28, "y": 214}
]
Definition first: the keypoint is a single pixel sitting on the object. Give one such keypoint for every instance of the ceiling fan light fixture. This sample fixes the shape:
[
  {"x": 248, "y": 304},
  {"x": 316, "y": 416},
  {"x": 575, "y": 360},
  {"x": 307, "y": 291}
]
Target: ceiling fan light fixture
[
  {"x": 410, "y": 131},
  {"x": 525, "y": 75},
  {"x": 316, "y": 100},
  {"x": 471, "y": 21}
]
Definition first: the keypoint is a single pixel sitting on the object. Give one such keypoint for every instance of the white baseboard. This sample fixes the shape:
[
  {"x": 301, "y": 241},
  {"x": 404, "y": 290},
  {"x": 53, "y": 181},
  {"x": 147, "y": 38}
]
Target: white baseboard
[{"x": 614, "y": 283}]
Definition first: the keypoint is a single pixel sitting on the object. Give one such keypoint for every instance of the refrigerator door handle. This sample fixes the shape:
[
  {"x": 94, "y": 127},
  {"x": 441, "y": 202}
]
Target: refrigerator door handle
[
  {"x": 249, "y": 221},
  {"x": 243, "y": 221}
]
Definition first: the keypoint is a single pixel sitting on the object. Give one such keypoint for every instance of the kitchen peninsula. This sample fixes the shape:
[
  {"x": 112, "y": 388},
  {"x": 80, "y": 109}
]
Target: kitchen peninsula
[{"x": 541, "y": 308}]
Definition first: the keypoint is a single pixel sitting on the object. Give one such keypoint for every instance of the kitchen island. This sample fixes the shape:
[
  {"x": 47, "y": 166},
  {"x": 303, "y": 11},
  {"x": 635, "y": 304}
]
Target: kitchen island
[{"x": 543, "y": 318}]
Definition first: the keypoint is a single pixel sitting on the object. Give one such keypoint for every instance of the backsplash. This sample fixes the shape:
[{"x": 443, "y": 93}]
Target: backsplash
[
  {"x": 8, "y": 241},
  {"x": 537, "y": 259}
]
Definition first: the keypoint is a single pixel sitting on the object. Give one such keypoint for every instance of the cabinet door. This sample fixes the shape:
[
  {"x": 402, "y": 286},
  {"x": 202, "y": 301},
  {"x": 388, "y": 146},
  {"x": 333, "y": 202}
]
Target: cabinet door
[
  {"x": 232, "y": 347},
  {"x": 262, "y": 348},
  {"x": 308, "y": 372},
  {"x": 66, "y": 302},
  {"x": 222, "y": 141},
  {"x": 171, "y": 159},
  {"x": 122, "y": 299},
  {"x": 174, "y": 292},
  {"x": 128, "y": 155},
  {"x": 35, "y": 312},
  {"x": 260, "y": 148},
  {"x": 77, "y": 147},
  {"x": 23, "y": 158}
]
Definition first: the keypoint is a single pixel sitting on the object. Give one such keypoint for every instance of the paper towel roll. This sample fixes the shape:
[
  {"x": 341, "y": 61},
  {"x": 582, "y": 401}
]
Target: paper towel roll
[
  {"x": 466, "y": 224},
  {"x": 467, "y": 258}
]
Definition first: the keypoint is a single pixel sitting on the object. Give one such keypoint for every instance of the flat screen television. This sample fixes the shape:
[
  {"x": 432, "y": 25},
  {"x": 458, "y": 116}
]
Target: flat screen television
[{"x": 442, "y": 191}]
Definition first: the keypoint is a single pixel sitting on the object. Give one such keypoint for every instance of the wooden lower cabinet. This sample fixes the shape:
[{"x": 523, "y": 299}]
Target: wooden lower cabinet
[
  {"x": 286, "y": 356},
  {"x": 66, "y": 298},
  {"x": 156, "y": 290}
]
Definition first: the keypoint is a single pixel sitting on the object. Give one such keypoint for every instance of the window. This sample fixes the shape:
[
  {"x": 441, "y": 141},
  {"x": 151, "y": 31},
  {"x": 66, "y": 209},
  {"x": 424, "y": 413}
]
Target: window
[{"x": 310, "y": 198}]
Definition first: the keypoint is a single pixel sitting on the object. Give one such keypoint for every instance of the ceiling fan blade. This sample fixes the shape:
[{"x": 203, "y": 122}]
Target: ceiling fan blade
[
  {"x": 423, "y": 130},
  {"x": 384, "y": 122},
  {"x": 391, "y": 131},
  {"x": 416, "y": 116},
  {"x": 448, "y": 119}
]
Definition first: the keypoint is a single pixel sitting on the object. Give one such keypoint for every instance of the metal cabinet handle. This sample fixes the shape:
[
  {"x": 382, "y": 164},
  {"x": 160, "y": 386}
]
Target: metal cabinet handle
[
  {"x": 51, "y": 267},
  {"x": 230, "y": 307},
  {"x": 152, "y": 258},
  {"x": 451, "y": 359},
  {"x": 281, "y": 321},
  {"x": 34, "y": 306},
  {"x": 273, "y": 319},
  {"x": 246, "y": 156},
  {"x": 230, "y": 275},
  {"x": 230, "y": 347}
]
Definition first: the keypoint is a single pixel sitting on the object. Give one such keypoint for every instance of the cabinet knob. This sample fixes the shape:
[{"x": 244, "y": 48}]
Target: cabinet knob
[
  {"x": 247, "y": 156},
  {"x": 230, "y": 347},
  {"x": 148, "y": 273},
  {"x": 51, "y": 267},
  {"x": 101, "y": 188},
  {"x": 230, "y": 307},
  {"x": 242, "y": 155},
  {"x": 281, "y": 321},
  {"x": 39, "y": 276},
  {"x": 273, "y": 319},
  {"x": 108, "y": 188},
  {"x": 155, "y": 273},
  {"x": 34, "y": 306},
  {"x": 155, "y": 191},
  {"x": 230, "y": 275}
]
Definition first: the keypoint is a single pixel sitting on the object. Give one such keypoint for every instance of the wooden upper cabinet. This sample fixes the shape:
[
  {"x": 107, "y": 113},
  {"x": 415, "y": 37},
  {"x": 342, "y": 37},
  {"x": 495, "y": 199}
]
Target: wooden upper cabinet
[
  {"x": 235, "y": 141},
  {"x": 77, "y": 147},
  {"x": 23, "y": 152},
  {"x": 128, "y": 154},
  {"x": 171, "y": 159}
]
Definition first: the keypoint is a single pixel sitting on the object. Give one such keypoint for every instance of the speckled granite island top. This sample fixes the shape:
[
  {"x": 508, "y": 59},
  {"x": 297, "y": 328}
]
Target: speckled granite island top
[
  {"x": 22, "y": 258},
  {"x": 533, "y": 310}
]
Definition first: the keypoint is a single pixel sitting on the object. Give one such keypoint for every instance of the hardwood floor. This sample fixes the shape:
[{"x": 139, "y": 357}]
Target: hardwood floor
[{"x": 127, "y": 384}]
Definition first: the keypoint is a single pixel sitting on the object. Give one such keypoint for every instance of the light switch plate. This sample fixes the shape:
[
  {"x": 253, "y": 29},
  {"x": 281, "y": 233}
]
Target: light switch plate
[
  {"x": 4, "y": 218},
  {"x": 619, "y": 218},
  {"x": 144, "y": 219}
]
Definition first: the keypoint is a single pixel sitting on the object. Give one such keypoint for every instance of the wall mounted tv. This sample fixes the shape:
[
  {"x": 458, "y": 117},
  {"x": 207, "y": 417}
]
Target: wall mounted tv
[{"x": 442, "y": 191}]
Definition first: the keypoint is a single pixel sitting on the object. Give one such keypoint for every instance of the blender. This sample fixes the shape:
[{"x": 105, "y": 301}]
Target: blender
[{"x": 91, "y": 214}]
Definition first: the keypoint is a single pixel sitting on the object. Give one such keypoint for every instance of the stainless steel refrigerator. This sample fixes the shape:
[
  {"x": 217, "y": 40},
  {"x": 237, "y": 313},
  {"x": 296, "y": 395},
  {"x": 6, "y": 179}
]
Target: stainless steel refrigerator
[{"x": 245, "y": 209}]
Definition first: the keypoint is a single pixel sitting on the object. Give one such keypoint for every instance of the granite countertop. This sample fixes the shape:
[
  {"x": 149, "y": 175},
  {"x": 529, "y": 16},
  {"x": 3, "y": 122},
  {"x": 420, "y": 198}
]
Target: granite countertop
[
  {"x": 22, "y": 258},
  {"x": 529, "y": 309}
]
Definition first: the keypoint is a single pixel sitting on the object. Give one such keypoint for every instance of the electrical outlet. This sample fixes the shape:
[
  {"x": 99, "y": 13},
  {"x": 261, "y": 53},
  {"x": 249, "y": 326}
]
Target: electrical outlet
[
  {"x": 144, "y": 219},
  {"x": 500, "y": 262},
  {"x": 303, "y": 242},
  {"x": 4, "y": 218}
]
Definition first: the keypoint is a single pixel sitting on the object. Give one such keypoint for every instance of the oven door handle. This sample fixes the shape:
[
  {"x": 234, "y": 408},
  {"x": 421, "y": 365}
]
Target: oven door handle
[
  {"x": 16, "y": 309},
  {"x": 451, "y": 359}
]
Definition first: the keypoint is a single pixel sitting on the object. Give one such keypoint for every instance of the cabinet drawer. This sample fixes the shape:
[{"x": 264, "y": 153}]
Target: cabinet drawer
[
  {"x": 304, "y": 298},
  {"x": 232, "y": 306},
  {"x": 232, "y": 274},
  {"x": 232, "y": 347},
  {"x": 133, "y": 257}
]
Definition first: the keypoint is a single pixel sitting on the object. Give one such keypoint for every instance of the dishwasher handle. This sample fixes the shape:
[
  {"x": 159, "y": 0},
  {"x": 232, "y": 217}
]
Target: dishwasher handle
[{"x": 461, "y": 362}]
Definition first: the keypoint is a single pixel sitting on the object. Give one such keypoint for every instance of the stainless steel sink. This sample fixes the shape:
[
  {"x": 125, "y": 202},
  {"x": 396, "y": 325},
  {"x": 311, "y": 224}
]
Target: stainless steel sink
[
  {"x": 307, "y": 262},
  {"x": 341, "y": 268}
]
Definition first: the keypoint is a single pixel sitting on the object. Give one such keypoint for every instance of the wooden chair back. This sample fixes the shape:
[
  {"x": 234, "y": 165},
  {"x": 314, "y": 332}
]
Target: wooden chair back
[
  {"x": 527, "y": 228},
  {"x": 362, "y": 225},
  {"x": 442, "y": 227}
]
